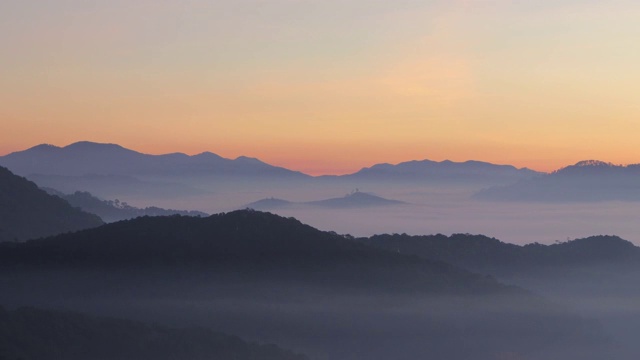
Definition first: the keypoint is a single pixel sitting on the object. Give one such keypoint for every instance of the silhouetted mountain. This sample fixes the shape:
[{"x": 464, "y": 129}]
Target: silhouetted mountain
[
  {"x": 28, "y": 212},
  {"x": 589, "y": 180},
  {"x": 34, "y": 334},
  {"x": 114, "y": 210},
  {"x": 491, "y": 256},
  {"x": 244, "y": 241},
  {"x": 427, "y": 171},
  {"x": 356, "y": 199},
  {"x": 84, "y": 158}
]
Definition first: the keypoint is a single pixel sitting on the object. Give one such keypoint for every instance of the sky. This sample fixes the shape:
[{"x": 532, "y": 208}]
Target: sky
[{"x": 327, "y": 86}]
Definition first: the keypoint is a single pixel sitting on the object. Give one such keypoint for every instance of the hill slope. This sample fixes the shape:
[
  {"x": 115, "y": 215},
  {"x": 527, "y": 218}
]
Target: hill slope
[
  {"x": 489, "y": 255},
  {"x": 245, "y": 241},
  {"x": 110, "y": 210},
  {"x": 28, "y": 212}
]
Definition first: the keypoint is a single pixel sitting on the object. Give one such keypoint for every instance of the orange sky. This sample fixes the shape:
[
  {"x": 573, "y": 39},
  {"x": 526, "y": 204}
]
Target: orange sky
[{"x": 327, "y": 87}]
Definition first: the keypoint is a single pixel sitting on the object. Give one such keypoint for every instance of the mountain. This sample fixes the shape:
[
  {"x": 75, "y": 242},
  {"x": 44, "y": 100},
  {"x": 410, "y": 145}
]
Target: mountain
[
  {"x": 114, "y": 210},
  {"x": 244, "y": 241},
  {"x": 267, "y": 277},
  {"x": 427, "y": 171},
  {"x": 84, "y": 158},
  {"x": 112, "y": 171},
  {"x": 28, "y": 212},
  {"x": 356, "y": 199},
  {"x": 589, "y": 180},
  {"x": 34, "y": 334},
  {"x": 491, "y": 256}
]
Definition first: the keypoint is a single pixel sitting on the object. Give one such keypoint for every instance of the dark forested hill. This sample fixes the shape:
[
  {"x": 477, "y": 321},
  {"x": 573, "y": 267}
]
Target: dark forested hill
[
  {"x": 244, "y": 241},
  {"x": 33, "y": 334},
  {"x": 489, "y": 255},
  {"x": 28, "y": 212},
  {"x": 274, "y": 279}
]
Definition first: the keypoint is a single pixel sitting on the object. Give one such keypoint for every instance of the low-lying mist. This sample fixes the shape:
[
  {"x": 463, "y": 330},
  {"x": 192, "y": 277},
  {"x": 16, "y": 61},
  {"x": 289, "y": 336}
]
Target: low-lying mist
[{"x": 430, "y": 210}]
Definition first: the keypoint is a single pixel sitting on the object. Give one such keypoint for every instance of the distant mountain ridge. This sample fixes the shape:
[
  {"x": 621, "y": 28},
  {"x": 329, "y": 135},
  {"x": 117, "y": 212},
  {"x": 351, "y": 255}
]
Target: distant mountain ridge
[
  {"x": 428, "y": 171},
  {"x": 355, "y": 199},
  {"x": 82, "y": 158},
  {"x": 28, "y": 212},
  {"x": 589, "y": 180}
]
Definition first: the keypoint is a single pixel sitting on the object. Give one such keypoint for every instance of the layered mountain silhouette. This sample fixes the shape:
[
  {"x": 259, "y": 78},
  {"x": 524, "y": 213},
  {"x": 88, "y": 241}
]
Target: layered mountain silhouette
[
  {"x": 447, "y": 172},
  {"x": 27, "y": 211},
  {"x": 34, "y": 334},
  {"x": 244, "y": 241},
  {"x": 264, "y": 276},
  {"x": 84, "y": 158},
  {"x": 589, "y": 180},
  {"x": 112, "y": 171},
  {"x": 115, "y": 210},
  {"x": 491, "y": 256},
  {"x": 355, "y": 199}
]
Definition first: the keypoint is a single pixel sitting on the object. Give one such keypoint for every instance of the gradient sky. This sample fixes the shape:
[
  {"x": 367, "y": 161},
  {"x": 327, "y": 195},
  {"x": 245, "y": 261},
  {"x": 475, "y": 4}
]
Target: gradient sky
[{"x": 327, "y": 86}]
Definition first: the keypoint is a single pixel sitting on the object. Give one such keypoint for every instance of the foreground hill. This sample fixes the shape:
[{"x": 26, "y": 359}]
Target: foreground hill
[
  {"x": 589, "y": 180},
  {"x": 33, "y": 334},
  {"x": 277, "y": 280},
  {"x": 491, "y": 256},
  {"x": 243, "y": 242},
  {"x": 28, "y": 212}
]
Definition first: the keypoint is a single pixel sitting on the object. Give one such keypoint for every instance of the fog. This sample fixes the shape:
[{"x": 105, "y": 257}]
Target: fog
[
  {"x": 324, "y": 323},
  {"x": 430, "y": 210}
]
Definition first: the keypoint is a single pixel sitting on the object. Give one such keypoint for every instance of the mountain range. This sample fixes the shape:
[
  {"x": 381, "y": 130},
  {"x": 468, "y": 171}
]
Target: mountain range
[
  {"x": 88, "y": 158},
  {"x": 110, "y": 170},
  {"x": 589, "y": 180},
  {"x": 444, "y": 172}
]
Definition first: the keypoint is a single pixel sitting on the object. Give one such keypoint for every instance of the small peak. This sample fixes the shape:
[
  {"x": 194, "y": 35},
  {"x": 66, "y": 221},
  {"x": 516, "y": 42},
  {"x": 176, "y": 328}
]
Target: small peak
[
  {"x": 209, "y": 154},
  {"x": 84, "y": 145},
  {"x": 44, "y": 147},
  {"x": 248, "y": 159},
  {"x": 592, "y": 163}
]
